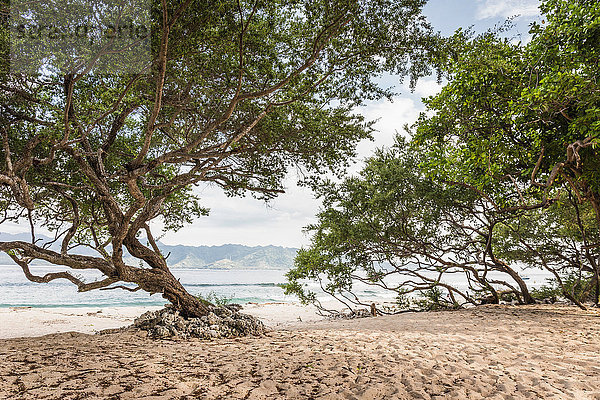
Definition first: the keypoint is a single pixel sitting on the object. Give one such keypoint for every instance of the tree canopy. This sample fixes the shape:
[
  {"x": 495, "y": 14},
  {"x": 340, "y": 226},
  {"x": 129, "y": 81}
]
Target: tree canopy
[
  {"x": 501, "y": 172},
  {"x": 233, "y": 94}
]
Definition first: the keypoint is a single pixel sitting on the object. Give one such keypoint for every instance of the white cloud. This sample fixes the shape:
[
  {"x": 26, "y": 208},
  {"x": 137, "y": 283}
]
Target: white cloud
[
  {"x": 252, "y": 222},
  {"x": 249, "y": 221},
  {"x": 506, "y": 8},
  {"x": 23, "y": 227},
  {"x": 392, "y": 116},
  {"x": 427, "y": 87}
]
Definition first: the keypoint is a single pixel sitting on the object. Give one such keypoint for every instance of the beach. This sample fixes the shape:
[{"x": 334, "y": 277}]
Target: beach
[
  {"x": 488, "y": 352},
  {"x": 37, "y": 321}
]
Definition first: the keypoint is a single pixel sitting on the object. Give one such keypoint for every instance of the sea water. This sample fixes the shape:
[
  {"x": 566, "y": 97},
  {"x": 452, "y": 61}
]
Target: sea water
[{"x": 235, "y": 286}]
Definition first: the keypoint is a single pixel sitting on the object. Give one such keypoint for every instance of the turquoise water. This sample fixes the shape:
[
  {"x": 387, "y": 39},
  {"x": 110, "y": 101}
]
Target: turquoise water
[{"x": 237, "y": 286}]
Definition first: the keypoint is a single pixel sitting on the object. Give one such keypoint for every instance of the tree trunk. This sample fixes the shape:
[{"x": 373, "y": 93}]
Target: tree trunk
[
  {"x": 573, "y": 299},
  {"x": 162, "y": 281},
  {"x": 189, "y": 306},
  {"x": 493, "y": 298},
  {"x": 502, "y": 266},
  {"x": 527, "y": 299},
  {"x": 596, "y": 283}
]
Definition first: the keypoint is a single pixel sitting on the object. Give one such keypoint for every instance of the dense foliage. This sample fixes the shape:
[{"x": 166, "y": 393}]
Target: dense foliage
[
  {"x": 233, "y": 94},
  {"x": 501, "y": 172}
]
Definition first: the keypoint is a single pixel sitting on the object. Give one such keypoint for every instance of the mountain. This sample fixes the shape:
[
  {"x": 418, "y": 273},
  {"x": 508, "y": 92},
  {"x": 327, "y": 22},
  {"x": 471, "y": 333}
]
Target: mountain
[
  {"x": 230, "y": 256},
  {"x": 227, "y": 256}
]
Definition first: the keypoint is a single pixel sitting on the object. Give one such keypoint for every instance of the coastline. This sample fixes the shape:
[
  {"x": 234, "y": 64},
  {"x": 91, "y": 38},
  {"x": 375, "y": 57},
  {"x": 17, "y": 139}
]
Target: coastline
[{"x": 487, "y": 352}]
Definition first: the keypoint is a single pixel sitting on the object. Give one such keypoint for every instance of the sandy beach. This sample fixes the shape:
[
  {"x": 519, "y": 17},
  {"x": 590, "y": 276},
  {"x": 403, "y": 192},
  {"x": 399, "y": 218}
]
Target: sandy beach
[
  {"x": 29, "y": 322},
  {"x": 489, "y": 352}
]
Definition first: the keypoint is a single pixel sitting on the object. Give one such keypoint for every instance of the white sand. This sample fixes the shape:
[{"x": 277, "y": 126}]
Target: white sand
[
  {"x": 31, "y": 322},
  {"x": 488, "y": 352}
]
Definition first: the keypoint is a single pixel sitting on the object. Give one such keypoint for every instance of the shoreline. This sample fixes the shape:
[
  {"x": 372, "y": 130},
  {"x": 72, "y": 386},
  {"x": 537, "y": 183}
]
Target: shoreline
[{"x": 30, "y": 322}]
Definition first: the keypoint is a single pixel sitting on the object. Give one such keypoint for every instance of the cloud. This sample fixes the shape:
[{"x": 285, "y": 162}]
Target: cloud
[
  {"x": 252, "y": 222},
  {"x": 281, "y": 222},
  {"x": 249, "y": 221},
  {"x": 427, "y": 87},
  {"x": 391, "y": 116},
  {"x": 506, "y": 8},
  {"x": 23, "y": 227}
]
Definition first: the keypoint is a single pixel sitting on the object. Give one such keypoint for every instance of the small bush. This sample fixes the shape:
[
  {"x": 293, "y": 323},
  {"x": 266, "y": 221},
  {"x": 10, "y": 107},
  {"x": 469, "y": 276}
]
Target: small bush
[
  {"x": 434, "y": 299},
  {"x": 403, "y": 301},
  {"x": 550, "y": 293},
  {"x": 214, "y": 298}
]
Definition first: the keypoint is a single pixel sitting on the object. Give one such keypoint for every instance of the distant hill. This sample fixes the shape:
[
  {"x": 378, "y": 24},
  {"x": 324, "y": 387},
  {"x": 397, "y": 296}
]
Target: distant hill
[
  {"x": 230, "y": 256},
  {"x": 227, "y": 256}
]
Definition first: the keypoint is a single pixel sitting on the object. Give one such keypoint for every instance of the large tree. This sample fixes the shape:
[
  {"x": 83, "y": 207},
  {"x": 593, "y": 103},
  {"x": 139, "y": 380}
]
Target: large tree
[
  {"x": 233, "y": 94},
  {"x": 517, "y": 128},
  {"x": 395, "y": 228},
  {"x": 522, "y": 123}
]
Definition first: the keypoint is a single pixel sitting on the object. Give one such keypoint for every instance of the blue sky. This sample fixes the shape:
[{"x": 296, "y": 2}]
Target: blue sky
[
  {"x": 448, "y": 15},
  {"x": 252, "y": 222}
]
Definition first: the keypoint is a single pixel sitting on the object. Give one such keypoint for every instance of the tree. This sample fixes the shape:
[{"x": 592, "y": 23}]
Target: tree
[
  {"x": 559, "y": 239},
  {"x": 397, "y": 229},
  {"x": 503, "y": 168},
  {"x": 523, "y": 118},
  {"x": 233, "y": 94}
]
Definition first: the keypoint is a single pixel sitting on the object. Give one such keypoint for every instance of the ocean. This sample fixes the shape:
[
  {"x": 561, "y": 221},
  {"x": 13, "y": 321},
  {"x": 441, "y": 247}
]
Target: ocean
[{"x": 236, "y": 286}]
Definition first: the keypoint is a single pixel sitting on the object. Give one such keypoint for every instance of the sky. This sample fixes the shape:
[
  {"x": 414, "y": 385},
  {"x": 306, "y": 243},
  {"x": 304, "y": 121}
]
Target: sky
[{"x": 280, "y": 222}]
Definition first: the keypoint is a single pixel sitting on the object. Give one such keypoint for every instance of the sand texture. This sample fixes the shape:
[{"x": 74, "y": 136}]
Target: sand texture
[
  {"x": 491, "y": 352},
  {"x": 28, "y": 321}
]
